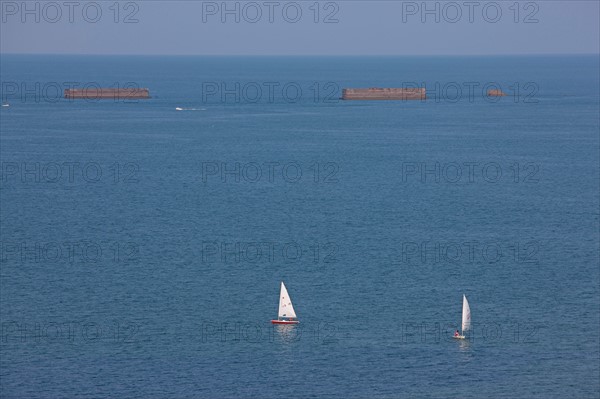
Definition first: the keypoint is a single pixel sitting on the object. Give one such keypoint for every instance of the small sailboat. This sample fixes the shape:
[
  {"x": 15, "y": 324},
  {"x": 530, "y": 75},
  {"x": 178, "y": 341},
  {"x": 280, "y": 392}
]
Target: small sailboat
[
  {"x": 466, "y": 319},
  {"x": 286, "y": 315}
]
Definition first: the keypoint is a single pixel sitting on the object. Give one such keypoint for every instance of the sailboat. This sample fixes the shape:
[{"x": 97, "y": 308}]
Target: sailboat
[
  {"x": 286, "y": 315},
  {"x": 466, "y": 319}
]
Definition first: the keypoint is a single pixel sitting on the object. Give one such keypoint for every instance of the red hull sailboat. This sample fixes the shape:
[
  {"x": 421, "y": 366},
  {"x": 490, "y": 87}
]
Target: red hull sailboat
[{"x": 287, "y": 314}]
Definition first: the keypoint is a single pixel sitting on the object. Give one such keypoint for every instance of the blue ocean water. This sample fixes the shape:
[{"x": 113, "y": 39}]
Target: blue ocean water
[{"x": 143, "y": 247}]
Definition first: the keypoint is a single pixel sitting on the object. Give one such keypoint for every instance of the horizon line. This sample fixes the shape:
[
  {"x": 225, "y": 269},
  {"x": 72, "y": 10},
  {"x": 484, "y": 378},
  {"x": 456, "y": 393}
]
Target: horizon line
[{"x": 305, "y": 55}]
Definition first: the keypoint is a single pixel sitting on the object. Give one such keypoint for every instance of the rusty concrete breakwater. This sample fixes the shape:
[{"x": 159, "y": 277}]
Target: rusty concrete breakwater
[
  {"x": 376, "y": 93},
  {"x": 94, "y": 93}
]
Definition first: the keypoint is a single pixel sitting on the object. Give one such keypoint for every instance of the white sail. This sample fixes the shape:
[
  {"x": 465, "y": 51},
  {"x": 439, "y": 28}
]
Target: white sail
[
  {"x": 466, "y": 315},
  {"x": 286, "y": 309}
]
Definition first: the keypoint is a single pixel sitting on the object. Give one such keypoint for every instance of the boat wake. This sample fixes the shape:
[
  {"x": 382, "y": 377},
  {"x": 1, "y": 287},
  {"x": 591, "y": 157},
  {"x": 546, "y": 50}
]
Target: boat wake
[{"x": 190, "y": 109}]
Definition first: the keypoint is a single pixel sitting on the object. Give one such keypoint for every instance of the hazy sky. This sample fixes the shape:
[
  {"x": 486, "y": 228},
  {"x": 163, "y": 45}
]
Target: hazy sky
[{"x": 301, "y": 27}]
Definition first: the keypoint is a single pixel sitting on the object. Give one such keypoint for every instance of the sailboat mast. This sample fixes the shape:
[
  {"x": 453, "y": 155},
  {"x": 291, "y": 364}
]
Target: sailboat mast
[{"x": 462, "y": 324}]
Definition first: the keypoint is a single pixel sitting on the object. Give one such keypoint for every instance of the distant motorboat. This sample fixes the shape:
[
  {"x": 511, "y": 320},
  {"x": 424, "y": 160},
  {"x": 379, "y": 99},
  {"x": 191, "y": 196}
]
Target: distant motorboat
[
  {"x": 6, "y": 105},
  {"x": 178, "y": 109},
  {"x": 287, "y": 314}
]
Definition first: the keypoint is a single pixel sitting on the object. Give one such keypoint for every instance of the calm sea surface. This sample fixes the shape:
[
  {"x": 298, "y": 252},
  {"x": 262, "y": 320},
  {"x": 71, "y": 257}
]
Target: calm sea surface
[{"x": 143, "y": 247}]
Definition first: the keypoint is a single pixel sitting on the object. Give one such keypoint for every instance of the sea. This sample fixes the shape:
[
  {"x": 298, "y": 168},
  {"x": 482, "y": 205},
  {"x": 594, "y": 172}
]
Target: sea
[{"x": 144, "y": 241}]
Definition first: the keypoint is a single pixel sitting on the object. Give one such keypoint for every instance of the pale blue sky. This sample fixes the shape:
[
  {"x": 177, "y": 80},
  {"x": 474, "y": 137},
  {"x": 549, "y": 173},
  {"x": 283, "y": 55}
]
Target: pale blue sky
[{"x": 362, "y": 27}]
